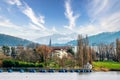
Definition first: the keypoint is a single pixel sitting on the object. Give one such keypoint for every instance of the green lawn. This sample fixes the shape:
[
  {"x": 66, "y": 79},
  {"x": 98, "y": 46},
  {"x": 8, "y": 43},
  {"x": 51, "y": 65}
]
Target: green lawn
[{"x": 106, "y": 64}]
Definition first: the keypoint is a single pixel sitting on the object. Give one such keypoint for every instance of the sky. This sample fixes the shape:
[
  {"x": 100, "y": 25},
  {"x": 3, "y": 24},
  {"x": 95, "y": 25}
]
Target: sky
[{"x": 31, "y": 19}]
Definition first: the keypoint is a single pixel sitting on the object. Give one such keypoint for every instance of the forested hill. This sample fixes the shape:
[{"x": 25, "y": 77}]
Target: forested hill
[
  {"x": 106, "y": 37},
  {"x": 12, "y": 41}
]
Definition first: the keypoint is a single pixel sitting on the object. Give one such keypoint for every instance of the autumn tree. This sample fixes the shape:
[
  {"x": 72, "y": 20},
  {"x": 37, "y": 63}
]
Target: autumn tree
[{"x": 43, "y": 52}]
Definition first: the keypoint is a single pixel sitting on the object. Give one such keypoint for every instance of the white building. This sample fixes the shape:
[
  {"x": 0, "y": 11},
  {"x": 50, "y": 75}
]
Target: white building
[
  {"x": 74, "y": 48},
  {"x": 60, "y": 53},
  {"x": 1, "y": 49}
]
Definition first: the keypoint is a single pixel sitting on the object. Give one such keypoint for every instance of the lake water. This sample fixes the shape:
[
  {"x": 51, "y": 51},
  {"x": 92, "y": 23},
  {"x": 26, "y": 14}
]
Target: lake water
[{"x": 60, "y": 76}]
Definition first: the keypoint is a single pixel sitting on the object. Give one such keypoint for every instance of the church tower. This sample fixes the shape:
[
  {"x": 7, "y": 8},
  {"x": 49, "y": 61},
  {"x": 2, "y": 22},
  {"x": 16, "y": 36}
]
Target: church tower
[{"x": 50, "y": 43}]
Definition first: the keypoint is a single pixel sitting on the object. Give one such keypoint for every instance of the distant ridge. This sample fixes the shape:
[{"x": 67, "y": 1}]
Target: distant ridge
[
  {"x": 105, "y": 37},
  {"x": 12, "y": 41}
]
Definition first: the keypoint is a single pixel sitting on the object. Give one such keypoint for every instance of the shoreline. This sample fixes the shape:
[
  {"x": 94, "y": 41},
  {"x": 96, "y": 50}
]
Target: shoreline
[
  {"x": 114, "y": 69},
  {"x": 105, "y": 69}
]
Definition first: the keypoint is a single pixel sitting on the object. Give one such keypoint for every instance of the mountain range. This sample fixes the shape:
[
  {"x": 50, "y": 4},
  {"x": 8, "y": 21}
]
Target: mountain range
[
  {"x": 105, "y": 37},
  {"x": 60, "y": 39},
  {"x": 56, "y": 38},
  {"x": 12, "y": 41},
  {"x": 70, "y": 39}
]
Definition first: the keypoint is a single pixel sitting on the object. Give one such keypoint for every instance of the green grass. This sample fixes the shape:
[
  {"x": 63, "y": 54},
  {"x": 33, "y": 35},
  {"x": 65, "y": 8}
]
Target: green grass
[{"x": 106, "y": 64}]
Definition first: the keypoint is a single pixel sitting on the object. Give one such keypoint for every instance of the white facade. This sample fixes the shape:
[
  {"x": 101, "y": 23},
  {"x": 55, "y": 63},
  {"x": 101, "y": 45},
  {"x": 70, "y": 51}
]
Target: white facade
[
  {"x": 1, "y": 49},
  {"x": 74, "y": 48},
  {"x": 60, "y": 53}
]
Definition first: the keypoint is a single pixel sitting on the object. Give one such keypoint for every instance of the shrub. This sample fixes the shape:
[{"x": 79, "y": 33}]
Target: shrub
[
  {"x": 39, "y": 65},
  {"x": 13, "y": 63},
  {"x": 8, "y": 63}
]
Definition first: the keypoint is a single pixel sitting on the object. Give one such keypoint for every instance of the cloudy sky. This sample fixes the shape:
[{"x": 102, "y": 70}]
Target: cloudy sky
[{"x": 31, "y": 19}]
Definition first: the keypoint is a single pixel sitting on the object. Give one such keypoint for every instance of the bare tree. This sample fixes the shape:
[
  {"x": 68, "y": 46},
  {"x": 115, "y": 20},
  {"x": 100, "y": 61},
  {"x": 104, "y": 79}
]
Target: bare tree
[
  {"x": 118, "y": 49},
  {"x": 62, "y": 61},
  {"x": 110, "y": 51},
  {"x": 90, "y": 55},
  {"x": 102, "y": 51},
  {"x": 86, "y": 53}
]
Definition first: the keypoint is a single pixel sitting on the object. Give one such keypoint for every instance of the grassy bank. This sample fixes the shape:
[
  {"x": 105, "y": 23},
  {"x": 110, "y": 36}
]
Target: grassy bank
[{"x": 106, "y": 65}]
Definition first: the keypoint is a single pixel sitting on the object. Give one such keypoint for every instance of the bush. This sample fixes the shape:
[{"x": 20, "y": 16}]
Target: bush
[
  {"x": 13, "y": 63},
  {"x": 16, "y": 64},
  {"x": 8, "y": 63},
  {"x": 39, "y": 65}
]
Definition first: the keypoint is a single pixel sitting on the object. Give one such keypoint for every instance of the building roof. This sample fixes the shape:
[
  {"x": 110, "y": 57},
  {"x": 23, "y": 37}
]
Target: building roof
[{"x": 60, "y": 47}]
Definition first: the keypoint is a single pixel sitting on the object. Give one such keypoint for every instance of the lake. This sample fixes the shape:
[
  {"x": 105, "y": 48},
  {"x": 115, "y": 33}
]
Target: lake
[{"x": 60, "y": 76}]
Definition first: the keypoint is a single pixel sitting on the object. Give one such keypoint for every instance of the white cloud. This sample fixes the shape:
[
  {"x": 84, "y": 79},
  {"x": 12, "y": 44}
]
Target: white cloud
[
  {"x": 111, "y": 23},
  {"x": 41, "y": 19},
  {"x": 7, "y": 27},
  {"x": 104, "y": 16},
  {"x": 31, "y": 15},
  {"x": 27, "y": 10},
  {"x": 33, "y": 26},
  {"x": 14, "y": 2},
  {"x": 69, "y": 15},
  {"x": 54, "y": 30},
  {"x": 64, "y": 39},
  {"x": 88, "y": 29},
  {"x": 96, "y": 8},
  {"x": 108, "y": 23},
  {"x": 6, "y": 23}
]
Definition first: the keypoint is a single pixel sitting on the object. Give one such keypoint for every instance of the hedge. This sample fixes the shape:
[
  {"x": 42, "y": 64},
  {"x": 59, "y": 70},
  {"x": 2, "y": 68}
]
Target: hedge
[{"x": 13, "y": 63}]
